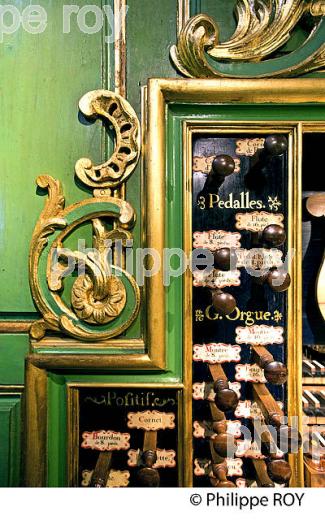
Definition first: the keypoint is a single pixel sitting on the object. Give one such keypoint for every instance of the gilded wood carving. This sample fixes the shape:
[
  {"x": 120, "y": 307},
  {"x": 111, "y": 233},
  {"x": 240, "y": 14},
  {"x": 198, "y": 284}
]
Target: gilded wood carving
[
  {"x": 263, "y": 27},
  {"x": 105, "y": 298}
]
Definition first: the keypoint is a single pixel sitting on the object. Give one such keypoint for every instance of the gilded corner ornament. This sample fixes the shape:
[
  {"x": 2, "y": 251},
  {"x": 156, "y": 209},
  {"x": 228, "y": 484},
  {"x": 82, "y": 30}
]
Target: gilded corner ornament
[
  {"x": 263, "y": 27},
  {"x": 104, "y": 298},
  {"x": 118, "y": 112}
]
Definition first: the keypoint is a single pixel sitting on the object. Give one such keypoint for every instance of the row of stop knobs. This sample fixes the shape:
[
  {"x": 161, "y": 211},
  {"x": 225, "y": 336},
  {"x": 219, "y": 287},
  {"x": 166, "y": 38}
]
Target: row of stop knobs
[
  {"x": 225, "y": 258},
  {"x": 273, "y": 469},
  {"x": 272, "y": 236},
  {"x": 222, "y": 444}
]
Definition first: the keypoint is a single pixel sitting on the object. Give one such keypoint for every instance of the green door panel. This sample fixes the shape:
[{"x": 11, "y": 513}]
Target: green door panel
[
  {"x": 13, "y": 349},
  {"x": 57, "y": 431},
  {"x": 10, "y": 431},
  {"x": 42, "y": 78}
]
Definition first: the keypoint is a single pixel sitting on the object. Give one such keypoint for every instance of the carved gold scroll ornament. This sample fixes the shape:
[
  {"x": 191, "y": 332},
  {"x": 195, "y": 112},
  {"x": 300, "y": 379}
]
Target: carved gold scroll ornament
[{"x": 104, "y": 298}]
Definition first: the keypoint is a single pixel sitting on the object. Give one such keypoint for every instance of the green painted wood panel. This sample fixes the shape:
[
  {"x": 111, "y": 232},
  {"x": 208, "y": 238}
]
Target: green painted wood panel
[
  {"x": 42, "y": 78},
  {"x": 10, "y": 431},
  {"x": 13, "y": 349},
  {"x": 221, "y": 11},
  {"x": 57, "y": 432}
]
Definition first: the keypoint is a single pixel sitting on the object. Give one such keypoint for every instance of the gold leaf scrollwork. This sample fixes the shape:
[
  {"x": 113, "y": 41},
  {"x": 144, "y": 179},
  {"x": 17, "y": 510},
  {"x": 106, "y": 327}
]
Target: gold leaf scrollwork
[
  {"x": 317, "y": 8},
  {"x": 118, "y": 112},
  {"x": 94, "y": 308},
  {"x": 97, "y": 297},
  {"x": 263, "y": 27},
  {"x": 104, "y": 298}
]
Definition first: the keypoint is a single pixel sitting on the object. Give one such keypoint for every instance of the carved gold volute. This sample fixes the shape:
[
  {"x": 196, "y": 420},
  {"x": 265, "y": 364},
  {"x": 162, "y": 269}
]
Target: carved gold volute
[
  {"x": 263, "y": 27},
  {"x": 104, "y": 298}
]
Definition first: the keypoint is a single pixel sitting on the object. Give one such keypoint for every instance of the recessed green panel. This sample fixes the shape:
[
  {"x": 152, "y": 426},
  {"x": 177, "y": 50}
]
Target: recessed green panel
[
  {"x": 42, "y": 79},
  {"x": 13, "y": 349},
  {"x": 10, "y": 431}
]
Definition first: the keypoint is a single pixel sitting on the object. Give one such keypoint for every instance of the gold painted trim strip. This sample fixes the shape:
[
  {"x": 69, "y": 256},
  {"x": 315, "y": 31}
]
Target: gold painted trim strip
[
  {"x": 11, "y": 389},
  {"x": 15, "y": 327},
  {"x": 187, "y": 303},
  {"x": 120, "y": 7},
  {"x": 183, "y": 14},
  {"x": 77, "y": 384},
  {"x": 155, "y": 192},
  {"x": 294, "y": 310},
  {"x": 57, "y": 342},
  {"x": 73, "y": 436},
  {"x": 35, "y": 442},
  {"x": 100, "y": 361},
  {"x": 284, "y": 91}
]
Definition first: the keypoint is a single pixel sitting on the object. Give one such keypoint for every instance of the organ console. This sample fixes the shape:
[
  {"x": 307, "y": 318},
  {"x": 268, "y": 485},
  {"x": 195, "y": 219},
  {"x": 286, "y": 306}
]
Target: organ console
[{"x": 239, "y": 352}]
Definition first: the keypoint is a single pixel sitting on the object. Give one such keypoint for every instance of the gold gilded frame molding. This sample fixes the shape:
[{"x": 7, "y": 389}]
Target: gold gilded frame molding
[
  {"x": 36, "y": 424},
  {"x": 161, "y": 93},
  {"x": 108, "y": 185}
]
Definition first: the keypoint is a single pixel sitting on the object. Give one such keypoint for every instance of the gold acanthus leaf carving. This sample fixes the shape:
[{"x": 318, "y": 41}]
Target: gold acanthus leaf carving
[
  {"x": 51, "y": 218},
  {"x": 96, "y": 297},
  {"x": 96, "y": 310},
  {"x": 317, "y": 8},
  {"x": 260, "y": 31},
  {"x": 262, "y": 28},
  {"x": 115, "y": 110}
]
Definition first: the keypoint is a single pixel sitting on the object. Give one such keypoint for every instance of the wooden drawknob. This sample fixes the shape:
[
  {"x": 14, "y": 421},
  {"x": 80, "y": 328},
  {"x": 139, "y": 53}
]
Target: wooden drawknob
[
  {"x": 225, "y": 259},
  {"x": 226, "y": 399},
  {"x": 223, "y": 303},
  {"x": 279, "y": 281},
  {"x": 276, "y": 145},
  {"x": 222, "y": 483},
  {"x": 274, "y": 235},
  {"x": 279, "y": 471},
  {"x": 148, "y": 476},
  {"x": 224, "y": 445},
  {"x": 275, "y": 372},
  {"x": 220, "y": 476},
  {"x": 223, "y": 165}
]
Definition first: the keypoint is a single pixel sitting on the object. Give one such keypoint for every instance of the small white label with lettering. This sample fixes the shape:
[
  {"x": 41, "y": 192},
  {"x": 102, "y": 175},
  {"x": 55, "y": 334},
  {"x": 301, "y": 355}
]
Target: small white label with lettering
[{"x": 151, "y": 420}]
